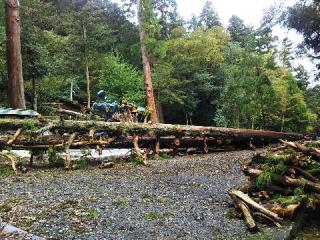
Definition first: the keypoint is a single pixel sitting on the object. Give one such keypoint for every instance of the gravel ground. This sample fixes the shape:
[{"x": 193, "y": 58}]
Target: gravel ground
[{"x": 179, "y": 198}]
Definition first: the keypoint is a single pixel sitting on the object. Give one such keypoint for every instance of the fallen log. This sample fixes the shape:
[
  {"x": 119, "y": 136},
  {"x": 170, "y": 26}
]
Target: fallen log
[
  {"x": 307, "y": 175},
  {"x": 246, "y": 213},
  {"x": 106, "y": 165},
  {"x": 41, "y": 142},
  {"x": 14, "y": 137},
  {"x": 247, "y": 200},
  {"x": 287, "y": 212},
  {"x": 262, "y": 217},
  {"x": 302, "y": 183},
  {"x": 288, "y": 181},
  {"x": 72, "y": 113},
  {"x": 117, "y": 128},
  {"x": 305, "y": 150}
]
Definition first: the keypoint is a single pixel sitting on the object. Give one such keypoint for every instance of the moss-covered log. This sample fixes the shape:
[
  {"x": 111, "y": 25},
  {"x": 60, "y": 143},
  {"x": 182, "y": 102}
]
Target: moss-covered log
[{"x": 115, "y": 128}]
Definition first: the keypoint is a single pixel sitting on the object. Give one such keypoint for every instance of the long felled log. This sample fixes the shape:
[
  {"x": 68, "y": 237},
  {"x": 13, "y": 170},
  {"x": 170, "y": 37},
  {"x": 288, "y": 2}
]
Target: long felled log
[{"x": 156, "y": 129}]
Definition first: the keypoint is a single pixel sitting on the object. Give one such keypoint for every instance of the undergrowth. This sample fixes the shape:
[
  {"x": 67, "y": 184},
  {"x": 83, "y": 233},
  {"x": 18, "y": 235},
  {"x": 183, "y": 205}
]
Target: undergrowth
[
  {"x": 136, "y": 160},
  {"x": 29, "y": 124},
  {"x": 6, "y": 171},
  {"x": 54, "y": 158},
  {"x": 270, "y": 173},
  {"x": 83, "y": 162},
  {"x": 158, "y": 215}
]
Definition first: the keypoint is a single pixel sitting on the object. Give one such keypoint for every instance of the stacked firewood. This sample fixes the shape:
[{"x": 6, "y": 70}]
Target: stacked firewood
[{"x": 280, "y": 181}]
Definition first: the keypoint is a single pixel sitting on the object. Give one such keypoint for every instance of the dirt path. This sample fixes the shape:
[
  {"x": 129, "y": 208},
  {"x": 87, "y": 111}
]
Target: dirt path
[{"x": 179, "y": 198}]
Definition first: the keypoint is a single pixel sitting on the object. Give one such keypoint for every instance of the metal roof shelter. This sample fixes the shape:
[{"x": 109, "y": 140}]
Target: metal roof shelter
[{"x": 10, "y": 112}]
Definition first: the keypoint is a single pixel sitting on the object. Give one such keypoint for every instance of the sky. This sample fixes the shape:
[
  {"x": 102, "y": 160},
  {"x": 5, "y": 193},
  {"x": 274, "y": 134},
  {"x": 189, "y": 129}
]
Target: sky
[{"x": 251, "y": 11}]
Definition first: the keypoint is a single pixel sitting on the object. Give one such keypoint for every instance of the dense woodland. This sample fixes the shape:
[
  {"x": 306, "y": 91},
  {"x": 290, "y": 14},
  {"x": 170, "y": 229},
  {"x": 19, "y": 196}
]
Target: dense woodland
[{"x": 202, "y": 73}]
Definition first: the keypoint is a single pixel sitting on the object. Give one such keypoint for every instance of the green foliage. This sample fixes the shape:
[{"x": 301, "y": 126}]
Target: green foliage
[
  {"x": 209, "y": 17},
  {"x": 304, "y": 17},
  {"x": 298, "y": 191},
  {"x": 288, "y": 200},
  {"x": 121, "y": 80},
  {"x": 231, "y": 214},
  {"x": 164, "y": 156},
  {"x": 83, "y": 162},
  {"x": 203, "y": 74},
  {"x": 54, "y": 158},
  {"x": 158, "y": 215},
  {"x": 6, "y": 171},
  {"x": 136, "y": 160},
  {"x": 270, "y": 173},
  {"x": 277, "y": 158},
  {"x": 29, "y": 124},
  {"x": 94, "y": 213},
  {"x": 120, "y": 202}
]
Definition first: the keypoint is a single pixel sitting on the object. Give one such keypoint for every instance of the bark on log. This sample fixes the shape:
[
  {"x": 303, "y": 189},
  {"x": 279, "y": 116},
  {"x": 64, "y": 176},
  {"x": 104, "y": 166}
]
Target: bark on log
[
  {"x": 315, "y": 187},
  {"x": 288, "y": 181},
  {"x": 72, "y": 113},
  {"x": 246, "y": 213},
  {"x": 286, "y": 212},
  {"x": 301, "y": 148},
  {"x": 307, "y": 175},
  {"x": 158, "y": 129},
  {"x": 15, "y": 136},
  {"x": 246, "y": 199},
  {"x": 260, "y": 216}
]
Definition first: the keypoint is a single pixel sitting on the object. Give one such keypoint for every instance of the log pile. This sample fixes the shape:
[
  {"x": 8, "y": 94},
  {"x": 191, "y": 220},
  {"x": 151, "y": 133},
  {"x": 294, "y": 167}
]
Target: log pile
[
  {"x": 280, "y": 181},
  {"x": 63, "y": 135}
]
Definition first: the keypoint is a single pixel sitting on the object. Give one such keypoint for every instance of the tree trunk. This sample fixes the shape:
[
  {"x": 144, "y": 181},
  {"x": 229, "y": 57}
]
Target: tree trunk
[
  {"x": 160, "y": 112},
  {"x": 87, "y": 67},
  {"x": 238, "y": 118},
  {"x": 14, "y": 58},
  {"x": 282, "y": 122},
  {"x": 71, "y": 91},
  {"x": 146, "y": 67},
  {"x": 34, "y": 95}
]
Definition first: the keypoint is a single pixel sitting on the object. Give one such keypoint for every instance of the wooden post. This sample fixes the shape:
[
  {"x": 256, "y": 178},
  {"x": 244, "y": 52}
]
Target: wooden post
[
  {"x": 205, "y": 143},
  {"x": 157, "y": 147}
]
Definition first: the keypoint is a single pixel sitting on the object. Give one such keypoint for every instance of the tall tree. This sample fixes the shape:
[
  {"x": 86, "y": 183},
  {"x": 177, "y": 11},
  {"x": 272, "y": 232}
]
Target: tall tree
[
  {"x": 239, "y": 32},
  {"x": 193, "y": 23},
  {"x": 14, "y": 58},
  {"x": 209, "y": 17},
  {"x": 304, "y": 17},
  {"x": 147, "y": 28},
  {"x": 167, "y": 13},
  {"x": 285, "y": 54}
]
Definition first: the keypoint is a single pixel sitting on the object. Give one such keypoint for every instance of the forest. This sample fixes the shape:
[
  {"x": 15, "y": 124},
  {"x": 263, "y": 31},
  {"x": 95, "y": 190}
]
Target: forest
[
  {"x": 202, "y": 73},
  {"x": 121, "y": 119}
]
